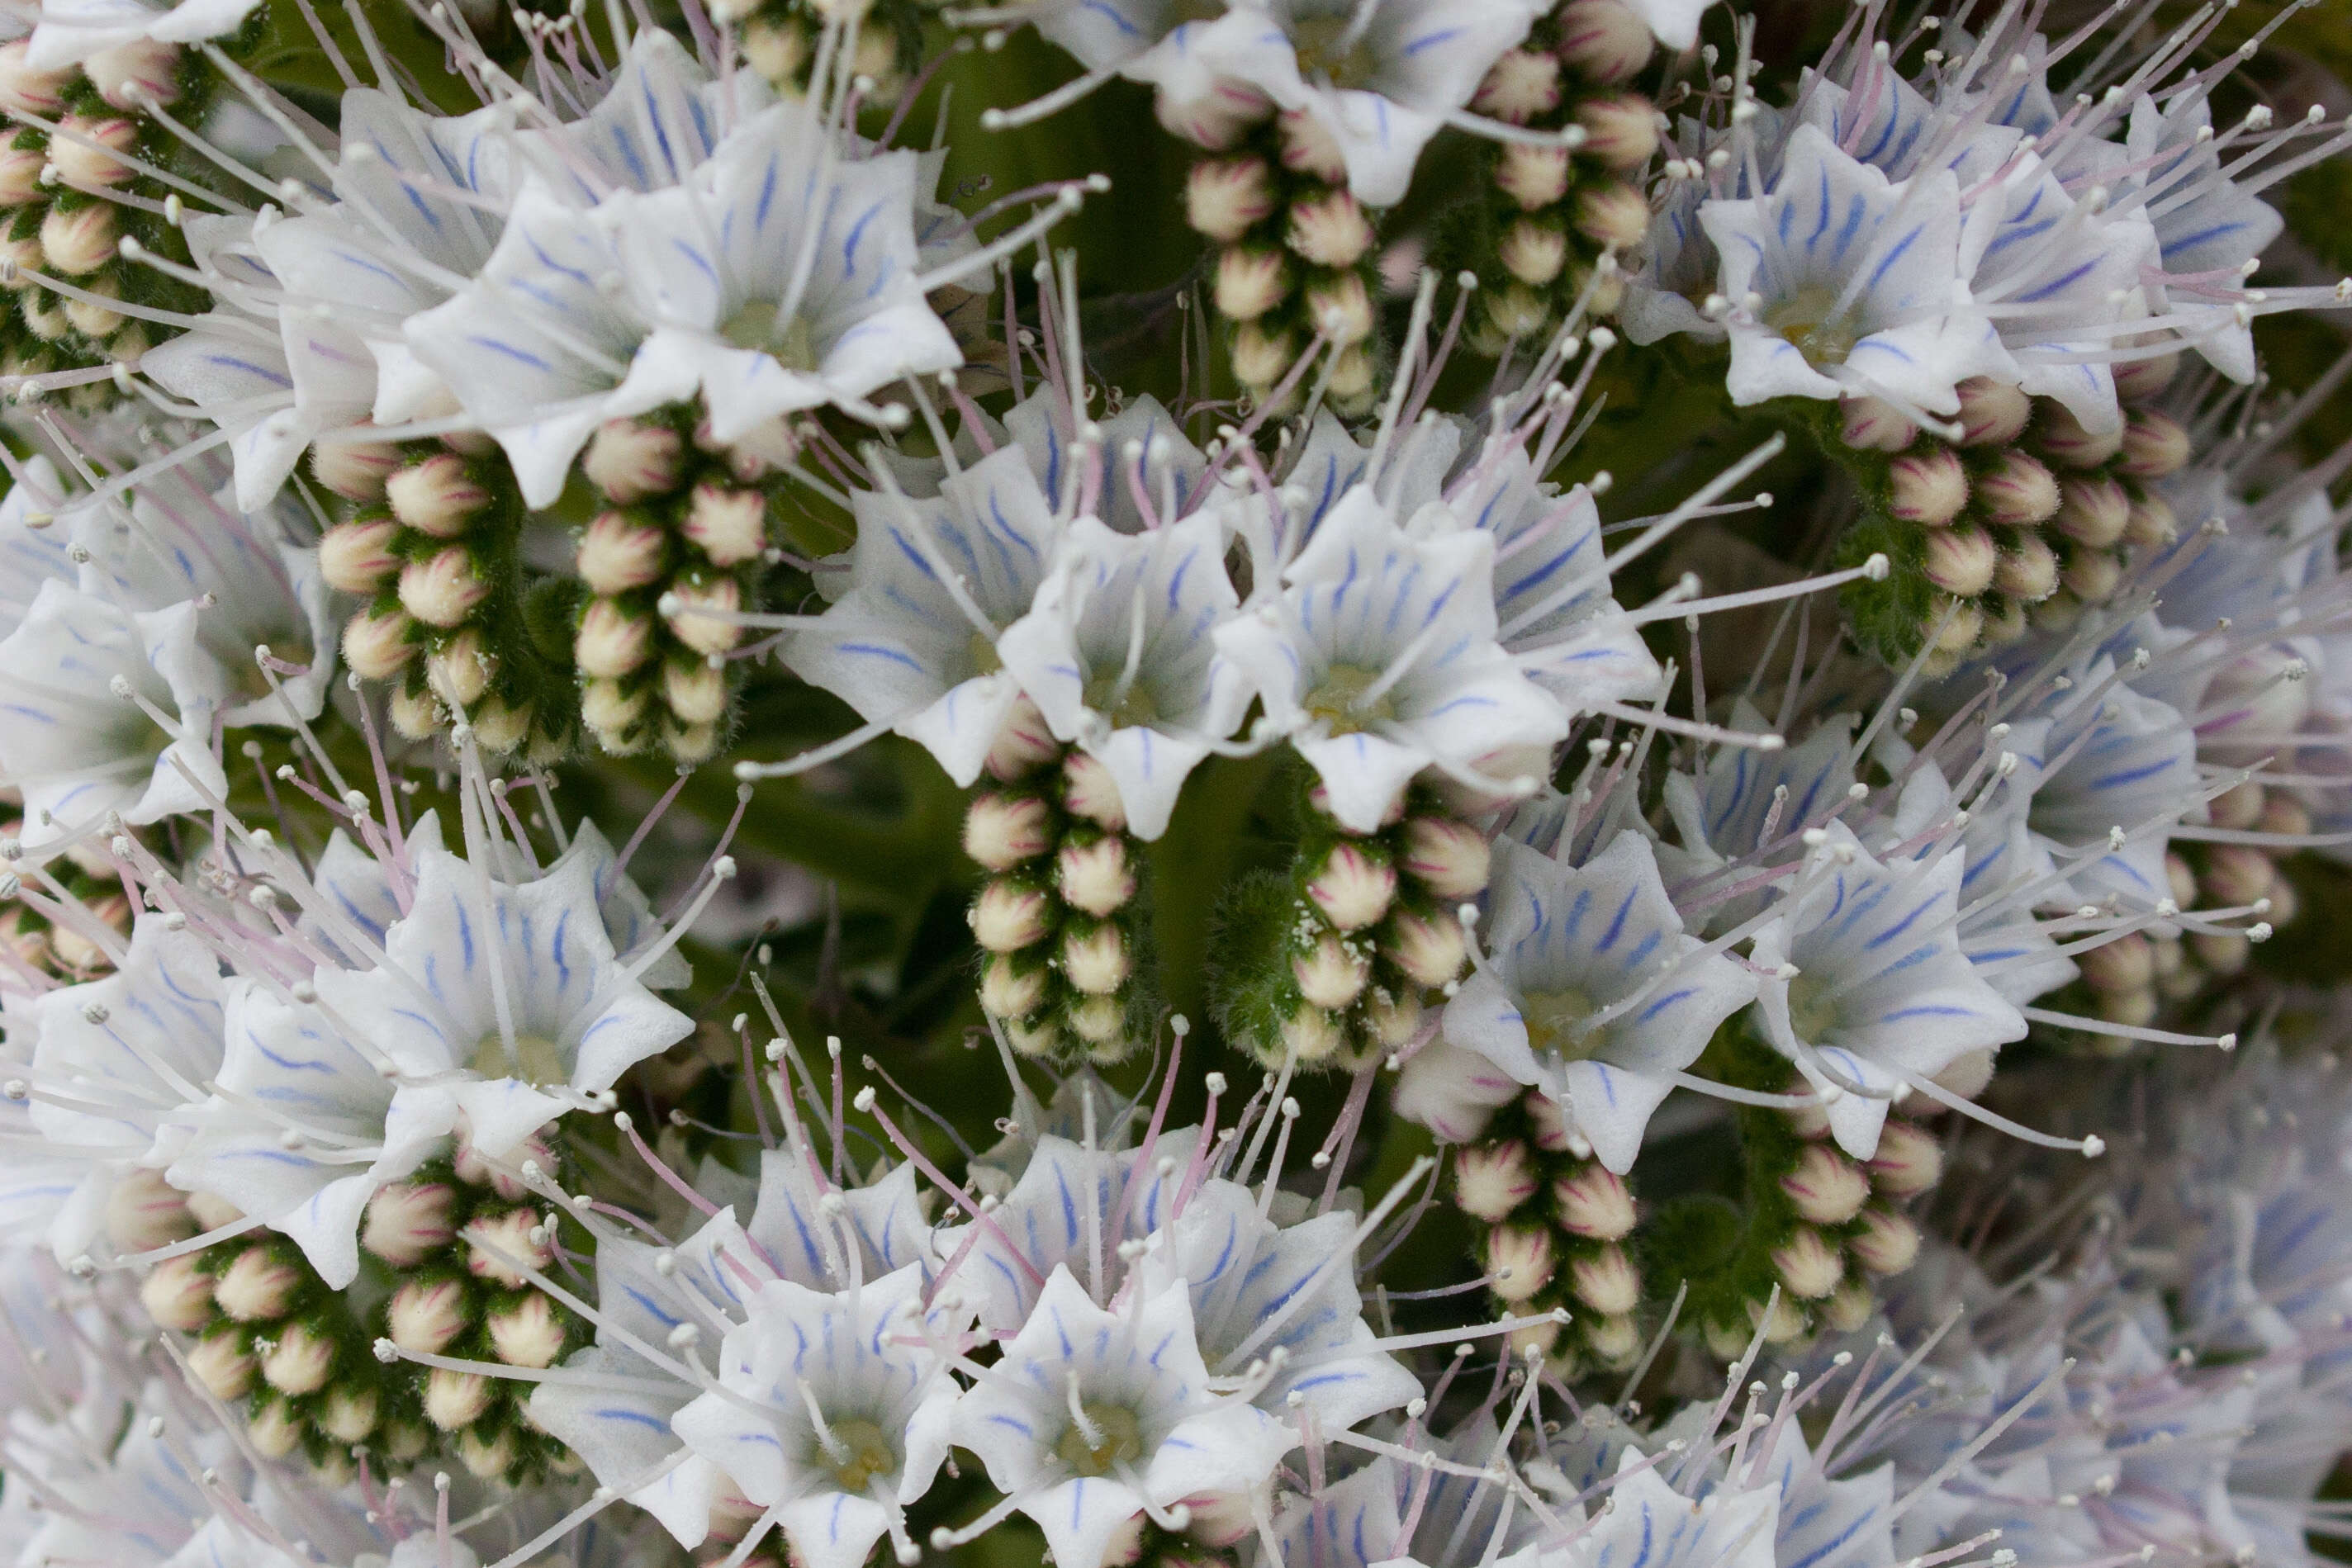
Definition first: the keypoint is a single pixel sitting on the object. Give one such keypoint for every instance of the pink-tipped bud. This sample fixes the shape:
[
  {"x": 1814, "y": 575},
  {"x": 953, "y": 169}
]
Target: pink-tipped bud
[
  {"x": 1429, "y": 949},
  {"x": 1825, "y": 1188},
  {"x": 2154, "y": 445},
  {"x": 1330, "y": 230},
  {"x": 355, "y": 470},
  {"x": 415, "y": 713},
  {"x": 455, "y": 1399},
  {"x": 527, "y": 1332},
  {"x": 1000, "y": 832},
  {"x": 2027, "y": 569},
  {"x": 178, "y": 1294},
  {"x": 348, "y": 1414},
  {"x": 438, "y": 497},
  {"x": 144, "y": 1212},
  {"x": 1251, "y": 279},
  {"x": 257, "y": 1286},
  {"x": 1341, "y": 309},
  {"x": 222, "y": 1364},
  {"x": 1226, "y": 197},
  {"x": 1490, "y": 1180},
  {"x": 1096, "y": 877},
  {"x": 612, "y": 641},
  {"x": 697, "y": 613},
  {"x": 1960, "y": 561},
  {"x": 1547, "y": 1123},
  {"x": 2137, "y": 381},
  {"x": 1887, "y": 1243},
  {"x": 135, "y": 75},
  {"x": 2091, "y": 576},
  {"x": 1518, "y": 1260},
  {"x": 730, "y": 526},
  {"x": 1908, "y": 1160},
  {"x": 1519, "y": 86},
  {"x": 23, "y": 88},
  {"x": 1808, "y": 1265},
  {"x": 1393, "y": 1019},
  {"x": 2237, "y": 875},
  {"x": 2283, "y": 814},
  {"x": 2017, "y": 491},
  {"x": 298, "y": 1361},
  {"x": 629, "y": 461},
  {"x": 1446, "y": 855},
  {"x": 499, "y": 1247},
  {"x": 1308, "y": 149},
  {"x": 2093, "y": 510},
  {"x": 2238, "y": 808},
  {"x": 1096, "y": 961},
  {"x": 89, "y": 153},
  {"x": 1615, "y": 217},
  {"x": 618, "y": 553},
  {"x": 1607, "y": 40},
  {"x": 443, "y": 589},
  {"x": 2126, "y": 964},
  {"x": 1621, "y": 130},
  {"x": 1007, "y": 918},
  {"x": 1532, "y": 174},
  {"x": 357, "y": 556},
  {"x": 1534, "y": 252},
  {"x": 1593, "y": 1201},
  {"x": 2065, "y": 440},
  {"x": 460, "y": 668},
  {"x": 476, "y": 1169},
  {"x": 1868, "y": 424},
  {"x": 1010, "y": 991},
  {"x": 694, "y": 691},
  {"x": 407, "y": 1221},
  {"x": 1260, "y": 357},
  {"x": 20, "y": 175},
  {"x": 1331, "y": 974},
  {"x": 1992, "y": 413},
  {"x": 1311, "y": 1034},
  {"x": 213, "y": 1212},
  {"x": 1353, "y": 887},
  {"x": 79, "y": 240},
  {"x": 2153, "y": 524},
  {"x": 1928, "y": 488},
  {"x": 1606, "y": 1282},
  {"x": 1090, "y": 793}
]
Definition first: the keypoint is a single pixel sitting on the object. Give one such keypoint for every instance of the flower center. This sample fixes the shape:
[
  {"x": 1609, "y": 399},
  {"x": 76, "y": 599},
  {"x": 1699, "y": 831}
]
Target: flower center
[
  {"x": 1324, "y": 51},
  {"x": 868, "y": 1451},
  {"x": 536, "y": 1060},
  {"x": 1116, "y": 1439},
  {"x": 1812, "y": 1011},
  {"x": 788, "y": 339},
  {"x": 1812, "y": 320},
  {"x": 1134, "y": 709},
  {"x": 1337, "y": 700},
  {"x": 1552, "y": 1018}
]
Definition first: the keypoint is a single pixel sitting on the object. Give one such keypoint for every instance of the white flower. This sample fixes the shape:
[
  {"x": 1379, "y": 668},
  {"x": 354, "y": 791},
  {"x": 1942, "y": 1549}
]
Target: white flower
[
  {"x": 68, "y": 32},
  {"x": 1843, "y": 281},
  {"x": 1451, "y": 1091},
  {"x": 1093, "y": 1416},
  {"x": 1883, "y": 994},
  {"x": 1170, "y": 45},
  {"x": 1380, "y": 661},
  {"x": 838, "y": 1415},
  {"x": 1722, "y": 814},
  {"x": 2113, "y": 759},
  {"x": 2207, "y": 228},
  {"x": 1591, "y": 991},
  {"x": 31, "y": 556},
  {"x": 1118, "y": 656}
]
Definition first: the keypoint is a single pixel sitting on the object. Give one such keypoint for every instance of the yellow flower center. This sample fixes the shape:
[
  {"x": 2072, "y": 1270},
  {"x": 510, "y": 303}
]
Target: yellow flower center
[
  {"x": 1812, "y": 320},
  {"x": 1325, "y": 52},
  {"x": 1812, "y": 1011},
  {"x": 1552, "y": 1018},
  {"x": 868, "y": 1455},
  {"x": 1117, "y": 1440},
  {"x": 536, "y": 1059},
  {"x": 1337, "y": 700},
  {"x": 763, "y": 326}
]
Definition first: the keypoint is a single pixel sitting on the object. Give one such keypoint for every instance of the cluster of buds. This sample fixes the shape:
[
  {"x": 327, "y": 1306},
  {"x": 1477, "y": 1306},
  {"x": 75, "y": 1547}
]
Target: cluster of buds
[
  {"x": 1059, "y": 920},
  {"x": 780, "y": 39},
  {"x": 669, "y": 566},
  {"x": 1560, "y": 212},
  {"x": 2019, "y": 523},
  {"x": 1558, "y": 1225},
  {"x": 441, "y": 1250},
  {"x": 1295, "y": 262},
  {"x": 433, "y": 546},
  {"x": 81, "y": 205},
  {"x": 73, "y": 937},
  {"x": 1331, "y": 965},
  {"x": 2131, "y": 979}
]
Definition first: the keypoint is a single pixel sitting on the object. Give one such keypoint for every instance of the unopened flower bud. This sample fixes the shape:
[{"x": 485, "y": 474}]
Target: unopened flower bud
[
  {"x": 455, "y": 1399},
  {"x": 499, "y": 1248},
  {"x": 1446, "y": 855},
  {"x": 699, "y": 615},
  {"x": 1547, "y": 1122},
  {"x": 178, "y": 1294},
  {"x": 1095, "y": 962},
  {"x": 1010, "y": 991},
  {"x": 1907, "y": 1160},
  {"x": 1825, "y": 1188},
  {"x": 89, "y": 153},
  {"x": 1960, "y": 623},
  {"x": 425, "y": 1315},
  {"x": 1886, "y": 1243},
  {"x": 2017, "y": 491},
  {"x": 1532, "y": 174},
  {"x": 1330, "y": 973},
  {"x": 78, "y": 240},
  {"x": 1096, "y": 877},
  {"x": 526, "y": 1332},
  {"x": 1311, "y": 1034},
  {"x": 1089, "y": 792},
  {"x": 2091, "y": 576},
  {"x": 415, "y": 714},
  {"x": 355, "y": 470},
  {"x": 2126, "y": 964},
  {"x": 274, "y": 1429},
  {"x": 1518, "y": 1260},
  {"x": 1350, "y": 383},
  {"x": 298, "y": 1361},
  {"x": 1621, "y": 130},
  {"x": 2152, "y": 524},
  {"x": 489, "y": 1458},
  {"x": 1606, "y": 1281},
  {"x": 630, "y": 461},
  {"x": 2137, "y": 381},
  {"x": 1928, "y": 488},
  {"x": 1808, "y": 1265},
  {"x": 1007, "y": 918},
  {"x": 347, "y": 1413},
  {"x": 1341, "y": 309},
  {"x": 1608, "y": 40},
  {"x": 1615, "y": 217},
  {"x": 443, "y": 589},
  {"x": 2237, "y": 875},
  {"x": 222, "y": 1364},
  {"x": 136, "y": 74},
  {"x": 730, "y": 526},
  {"x": 2027, "y": 569},
  {"x": 1992, "y": 413},
  {"x": 1533, "y": 252},
  {"x": 2065, "y": 441},
  {"x": 1392, "y": 1019},
  {"x": 20, "y": 175},
  {"x": 2154, "y": 445},
  {"x": 438, "y": 496},
  {"x": 1848, "y": 1307},
  {"x": 618, "y": 553},
  {"x": 1260, "y": 357},
  {"x": 144, "y": 1212},
  {"x": 1353, "y": 887},
  {"x": 2133, "y": 1009},
  {"x": 1226, "y": 197},
  {"x": 1592, "y": 1201},
  {"x": 612, "y": 641},
  {"x": 1429, "y": 948},
  {"x": 257, "y": 1285},
  {"x": 356, "y": 557},
  {"x": 1330, "y": 230},
  {"x": 1960, "y": 561},
  {"x": 2093, "y": 510},
  {"x": 1520, "y": 85},
  {"x": 1024, "y": 743},
  {"x": 1869, "y": 424},
  {"x": 40, "y": 92},
  {"x": 2283, "y": 814},
  {"x": 212, "y": 1211},
  {"x": 1309, "y": 148},
  {"x": 406, "y": 1221},
  {"x": 1490, "y": 1180},
  {"x": 694, "y": 690},
  {"x": 460, "y": 669},
  {"x": 2225, "y": 953}
]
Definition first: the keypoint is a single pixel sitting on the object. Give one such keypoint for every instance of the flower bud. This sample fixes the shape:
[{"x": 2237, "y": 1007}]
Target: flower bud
[
  {"x": 1886, "y": 1243},
  {"x": 300, "y": 1361},
  {"x": 1353, "y": 887},
  {"x": 1992, "y": 413},
  {"x": 91, "y": 318},
  {"x": 1351, "y": 386},
  {"x": 2133, "y": 1009},
  {"x": 1960, "y": 561},
  {"x": 408, "y": 1220},
  {"x": 415, "y": 714},
  {"x": 1010, "y": 991},
  {"x": 20, "y": 175},
  {"x": 1393, "y": 1020},
  {"x": 1095, "y": 962},
  {"x": 2283, "y": 814},
  {"x": 2225, "y": 953},
  {"x": 618, "y": 553},
  {"x": 1606, "y": 1281},
  {"x": 2137, "y": 381},
  {"x": 144, "y": 1212},
  {"x": 1007, "y": 918},
  {"x": 1308, "y": 149},
  {"x": 23, "y": 88},
  {"x": 1490, "y": 1180},
  {"x": 1825, "y": 1188},
  {"x": 1089, "y": 792},
  {"x": 1540, "y": 1337},
  {"x": 488, "y": 1459},
  {"x": 357, "y": 556},
  {"x": 1547, "y": 1123},
  {"x": 630, "y": 461},
  {"x": 2154, "y": 445},
  {"x": 774, "y": 50},
  {"x": 500, "y": 728},
  {"x": 2126, "y": 964},
  {"x": 1519, "y": 86},
  {"x": 2028, "y": 570},
  {"x": 2091, "y": 576},
  {"x": 1533, "y": 252},
  {"x": 1341, "y": 309},
  {"x": 526, "y": 1332},
  {"x": 730, "y": 526},
  {"x": 1928, "y": 488},
  {"x": 1329, "y": 973},
  {"x": 1024, "y": 743},
  {"x": 612, "y": 641},
  {"x": 355, "y": 470},
  {"x": 1608, "y": 40},
  {"x": 1512, "y": 312},
  {"x": 1621, "y": 130},
  {"x": 1518, "y": 1260},
  {"x": 1615, "y": 217},
  {"x": 438, "y": 497},
  {"x": 1848, "y": 1307},
  {"x": 1226, "y": 197},
  {"x": 78, "y": 240},
  {"x": 1096, "y": 877},
  {"x": 2065, "y": 441},
  {"x": 1311, "y": 1034},
  {"x": 1428, "y": 948},
  {"x": 89, "y": 153},
  {"x": 212, "y": 1211},
  {"x": 1000, "y": 831},
  {"x": 1808, "y": 1265},
  {"x": 1592, "y": 1201},
  {"x": 1962, "y": 622},
  {"x": 425, "y": 1315},
  {"x": 1100, "y": 1023},
  {"x": 2237, "y": 875},
  {"x": 1533, "y": 175},
  {"x": 2092, "y": 510},
  {"x": 257, "y": 1285},
  {"x": 1330, "y": 230},
  {"x": 2152, "y": 524},
  {"x": 1446, "y": 855},
  {"x": 695, "y": 690},
  {"x": 499, "y": 1248},
  {"x": 1869, "y": 424},
  {"x": 442, "y": 589},
  {"x": 2238, "y": 807},
  {"x": 455, "y": 1399},
  {"x": 697, "y": 613},
  {"x": 137, "y": 74},
  {"x": 2017, "y": 491},
  {"x": 1907, "y": 1161},
  {"x": 222, "y": 1364},
  {"x": 347, "y": 1413},
  {"x": 178, "y": 1294},
  {"x": 460, "y": 669},
  {"x": 1259, "y": 357},
  {"x": 274, "y": 1429}
]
